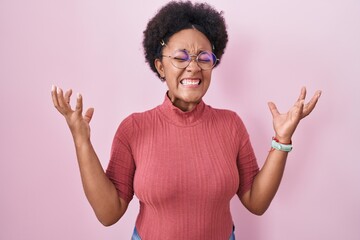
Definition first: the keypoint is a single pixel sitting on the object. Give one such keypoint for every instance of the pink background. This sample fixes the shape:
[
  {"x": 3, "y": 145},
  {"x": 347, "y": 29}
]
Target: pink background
[{"x": 95, "y": 48}]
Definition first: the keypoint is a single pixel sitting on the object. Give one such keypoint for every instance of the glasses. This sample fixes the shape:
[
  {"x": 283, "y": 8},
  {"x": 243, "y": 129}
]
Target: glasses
[{"x": 181, "y": 59}]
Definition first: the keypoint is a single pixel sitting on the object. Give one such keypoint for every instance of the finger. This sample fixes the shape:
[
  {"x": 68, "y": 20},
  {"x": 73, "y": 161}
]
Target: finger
[
  {"x": 79, "y": 103},
  {"x": 299, "y": 108},
  {"x": 273, "y": 109},
  {"x": 309, "y": 107},
  {"x": 60, "y": 97},
  {"x": 88, "y": 115},
  {"x": 67, "y": 96},
  {"x": 54, "y": 96},
  {"x": 302, "y": 94}
]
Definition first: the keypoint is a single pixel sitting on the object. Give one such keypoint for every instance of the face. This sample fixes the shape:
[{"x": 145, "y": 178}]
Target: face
[{"x": 186, "y": 86}]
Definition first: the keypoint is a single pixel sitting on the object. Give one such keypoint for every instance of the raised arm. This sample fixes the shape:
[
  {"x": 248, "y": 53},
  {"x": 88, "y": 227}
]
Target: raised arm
[
  {"x": 99, "y": 190},
  {"x": 267, "y": 181}
]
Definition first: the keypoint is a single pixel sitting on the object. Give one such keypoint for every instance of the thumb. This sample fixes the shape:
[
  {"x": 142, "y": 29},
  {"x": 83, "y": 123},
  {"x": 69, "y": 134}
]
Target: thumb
[
  {"x": 88, "y": 115},
  {"x": 273, "y": 109}
]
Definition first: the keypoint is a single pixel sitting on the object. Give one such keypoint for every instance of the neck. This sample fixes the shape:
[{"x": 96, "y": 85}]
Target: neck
[{"x": 183, "y": 106}]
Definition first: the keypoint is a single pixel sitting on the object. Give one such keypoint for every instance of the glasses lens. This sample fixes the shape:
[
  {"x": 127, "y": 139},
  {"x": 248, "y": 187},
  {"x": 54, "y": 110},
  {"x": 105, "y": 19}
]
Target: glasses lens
[
  {"x": 206, "y": 60},
  {"x": 180, "y": 59}
]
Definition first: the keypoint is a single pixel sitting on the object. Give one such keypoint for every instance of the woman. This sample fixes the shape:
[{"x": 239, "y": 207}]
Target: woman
[{"x": 183, "y": 159}]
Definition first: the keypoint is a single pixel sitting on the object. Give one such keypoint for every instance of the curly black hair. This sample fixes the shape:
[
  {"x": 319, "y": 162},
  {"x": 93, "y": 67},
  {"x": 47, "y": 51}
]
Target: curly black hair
[{"x": 176, "y": 16}]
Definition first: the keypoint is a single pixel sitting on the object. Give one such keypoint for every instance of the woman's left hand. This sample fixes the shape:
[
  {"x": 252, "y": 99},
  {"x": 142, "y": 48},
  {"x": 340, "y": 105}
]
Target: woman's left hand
[{"x": 286, "y": 123}]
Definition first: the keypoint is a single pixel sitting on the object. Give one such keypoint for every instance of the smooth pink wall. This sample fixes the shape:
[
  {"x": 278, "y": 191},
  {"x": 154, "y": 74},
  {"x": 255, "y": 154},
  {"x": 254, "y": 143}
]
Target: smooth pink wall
[{"x": 95, "y": 48}]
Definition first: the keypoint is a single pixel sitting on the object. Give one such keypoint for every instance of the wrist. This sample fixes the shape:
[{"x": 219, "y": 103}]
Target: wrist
[
  {"x": 282, "y": 140},
  {"x": 81, "y": 141}
]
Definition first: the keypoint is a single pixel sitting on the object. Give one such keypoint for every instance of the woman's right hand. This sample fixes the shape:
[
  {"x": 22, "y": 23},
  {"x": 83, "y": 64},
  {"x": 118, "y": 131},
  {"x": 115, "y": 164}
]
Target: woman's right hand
[{"x": 78, "y": 124}]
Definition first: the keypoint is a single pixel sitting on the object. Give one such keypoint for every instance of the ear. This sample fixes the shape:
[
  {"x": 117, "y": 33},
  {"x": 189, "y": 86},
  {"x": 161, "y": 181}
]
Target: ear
[{"x": 159, "y": 67}]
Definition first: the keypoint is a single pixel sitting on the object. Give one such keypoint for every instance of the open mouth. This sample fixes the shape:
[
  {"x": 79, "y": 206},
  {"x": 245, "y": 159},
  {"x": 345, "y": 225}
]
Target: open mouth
[{"x": 190, "y": 82}]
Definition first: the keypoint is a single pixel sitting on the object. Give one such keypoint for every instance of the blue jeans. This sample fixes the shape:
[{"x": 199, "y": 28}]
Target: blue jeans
[{"x": 136, "y": 236}]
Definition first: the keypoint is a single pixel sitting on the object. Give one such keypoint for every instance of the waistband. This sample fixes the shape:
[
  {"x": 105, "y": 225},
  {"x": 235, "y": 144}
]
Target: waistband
[{"x": 136, "y": 236}]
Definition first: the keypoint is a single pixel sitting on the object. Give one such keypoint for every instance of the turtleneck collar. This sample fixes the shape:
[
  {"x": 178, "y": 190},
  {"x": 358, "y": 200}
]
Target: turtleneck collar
[{"x": 181, "y": 118}]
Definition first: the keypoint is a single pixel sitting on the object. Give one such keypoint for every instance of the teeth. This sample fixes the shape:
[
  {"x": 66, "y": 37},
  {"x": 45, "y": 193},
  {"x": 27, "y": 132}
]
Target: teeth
[{"x": 190, "y": 82}]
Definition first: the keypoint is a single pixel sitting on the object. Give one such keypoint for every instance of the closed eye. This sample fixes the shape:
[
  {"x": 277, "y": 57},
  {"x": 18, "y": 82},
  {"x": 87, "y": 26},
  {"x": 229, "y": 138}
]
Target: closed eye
[{"x": 180, "y": 59}]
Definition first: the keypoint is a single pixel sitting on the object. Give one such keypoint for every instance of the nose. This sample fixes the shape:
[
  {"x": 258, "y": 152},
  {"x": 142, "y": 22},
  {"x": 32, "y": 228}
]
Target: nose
[{"x": 193, "y": 63}]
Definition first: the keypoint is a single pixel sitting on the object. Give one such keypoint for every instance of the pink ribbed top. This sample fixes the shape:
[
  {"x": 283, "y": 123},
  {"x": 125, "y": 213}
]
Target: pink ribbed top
[{"x": 184, "y": 167}]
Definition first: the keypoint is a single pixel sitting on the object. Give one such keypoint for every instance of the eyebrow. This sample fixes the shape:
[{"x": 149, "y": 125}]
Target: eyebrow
[{"x": 199, "y": 51}]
